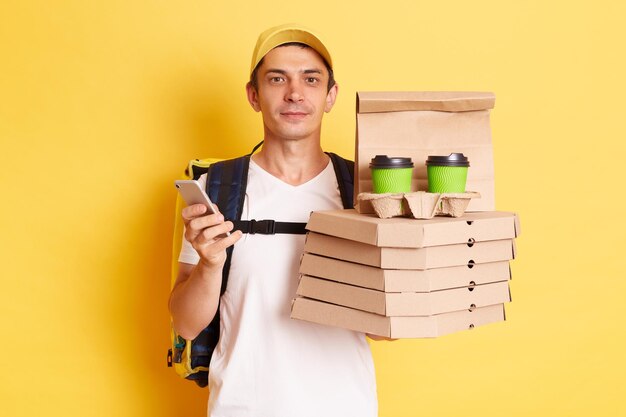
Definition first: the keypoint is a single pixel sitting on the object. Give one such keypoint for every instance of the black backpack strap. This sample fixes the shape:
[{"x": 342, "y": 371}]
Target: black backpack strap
[
  {"x": 344, "y": 170},
  {"x": 226, "y": 186},
  {"x": 270, "y": 227}
]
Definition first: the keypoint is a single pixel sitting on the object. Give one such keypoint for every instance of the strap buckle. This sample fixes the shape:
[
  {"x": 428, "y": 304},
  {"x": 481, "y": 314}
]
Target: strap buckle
[{"x": 265, "y": 227}]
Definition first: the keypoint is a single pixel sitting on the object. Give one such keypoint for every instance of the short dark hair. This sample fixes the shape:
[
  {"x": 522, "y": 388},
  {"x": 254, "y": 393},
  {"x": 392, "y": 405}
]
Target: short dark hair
[{"x": 254, "y": 82}]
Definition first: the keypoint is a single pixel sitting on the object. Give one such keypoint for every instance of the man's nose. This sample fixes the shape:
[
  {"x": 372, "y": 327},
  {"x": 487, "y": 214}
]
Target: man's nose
[{"x": 294, "y": 92}]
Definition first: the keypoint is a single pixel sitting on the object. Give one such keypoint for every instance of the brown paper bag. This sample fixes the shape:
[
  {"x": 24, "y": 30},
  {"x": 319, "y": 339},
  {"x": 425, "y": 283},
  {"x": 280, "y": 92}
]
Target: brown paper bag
[{"x": 419, "y": 124}]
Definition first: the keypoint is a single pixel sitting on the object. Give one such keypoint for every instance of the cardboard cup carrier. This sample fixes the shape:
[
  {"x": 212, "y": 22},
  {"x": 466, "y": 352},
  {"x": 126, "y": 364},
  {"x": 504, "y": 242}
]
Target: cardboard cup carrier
[{"x": 420, "y": 124}]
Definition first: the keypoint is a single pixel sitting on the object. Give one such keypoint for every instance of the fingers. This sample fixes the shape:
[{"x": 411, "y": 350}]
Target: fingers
[
  {"x": 207, "y": 233},
  {"x": 193, "y": 211},
  {"x": 223, "y": 243},
  {"x": 214, "y": 232},
  {"x": 214, "y": 253},
  {"x": 196, "y": 222},
  {"x": 201, "y": 223}
]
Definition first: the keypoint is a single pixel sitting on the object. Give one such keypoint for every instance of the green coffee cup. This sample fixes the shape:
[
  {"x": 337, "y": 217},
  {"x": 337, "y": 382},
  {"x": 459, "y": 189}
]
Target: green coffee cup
[
  {"x": 391, "y": 174},
  {"x": 447, "y": 174}
]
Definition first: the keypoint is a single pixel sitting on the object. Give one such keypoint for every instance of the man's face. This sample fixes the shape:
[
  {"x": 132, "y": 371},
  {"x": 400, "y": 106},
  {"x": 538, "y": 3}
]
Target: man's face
[{"x": 292, "y": 93}]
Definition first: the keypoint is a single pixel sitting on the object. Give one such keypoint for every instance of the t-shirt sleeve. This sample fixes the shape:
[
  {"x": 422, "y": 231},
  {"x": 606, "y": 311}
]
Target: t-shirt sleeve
[{"x": 188, "y": 254}]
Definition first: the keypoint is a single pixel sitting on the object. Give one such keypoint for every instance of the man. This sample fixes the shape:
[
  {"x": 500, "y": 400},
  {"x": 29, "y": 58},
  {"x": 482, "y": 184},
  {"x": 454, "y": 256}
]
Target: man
[{"x": 266, "y": 364}]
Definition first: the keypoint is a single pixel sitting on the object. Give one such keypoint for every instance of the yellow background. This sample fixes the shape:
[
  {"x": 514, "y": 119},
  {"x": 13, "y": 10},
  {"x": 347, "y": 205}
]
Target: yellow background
[{"x": 103, "y": 102}]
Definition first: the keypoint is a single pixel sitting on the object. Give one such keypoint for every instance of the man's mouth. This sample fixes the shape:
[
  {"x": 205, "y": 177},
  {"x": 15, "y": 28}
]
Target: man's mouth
[{"x": 294, "y": 113}]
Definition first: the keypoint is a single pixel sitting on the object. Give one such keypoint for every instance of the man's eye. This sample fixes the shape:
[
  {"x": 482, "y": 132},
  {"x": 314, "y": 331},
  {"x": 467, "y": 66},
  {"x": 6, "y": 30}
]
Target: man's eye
[
  {"x": 312, "y": 80},
  {"x": 276, "y": 79}
]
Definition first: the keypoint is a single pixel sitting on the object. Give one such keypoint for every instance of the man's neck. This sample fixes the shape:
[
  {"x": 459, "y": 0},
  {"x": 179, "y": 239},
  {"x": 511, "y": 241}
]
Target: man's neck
[{"x": 294, "y": 162}]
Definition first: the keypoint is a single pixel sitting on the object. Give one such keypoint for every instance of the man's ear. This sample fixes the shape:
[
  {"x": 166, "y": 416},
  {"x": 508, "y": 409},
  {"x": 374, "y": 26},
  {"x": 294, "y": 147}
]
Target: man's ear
[
  {"x": 331, "y": 97},
  {"x": 253, "y": 97}
]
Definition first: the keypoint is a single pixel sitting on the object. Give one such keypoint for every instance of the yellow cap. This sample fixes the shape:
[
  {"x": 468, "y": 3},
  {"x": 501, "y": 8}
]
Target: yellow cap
[{"x": 280, "y": 35}]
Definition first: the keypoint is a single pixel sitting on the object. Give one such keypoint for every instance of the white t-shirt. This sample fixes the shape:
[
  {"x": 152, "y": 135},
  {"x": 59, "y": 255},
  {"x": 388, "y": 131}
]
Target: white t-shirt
[{"x": 266, "y": 364}]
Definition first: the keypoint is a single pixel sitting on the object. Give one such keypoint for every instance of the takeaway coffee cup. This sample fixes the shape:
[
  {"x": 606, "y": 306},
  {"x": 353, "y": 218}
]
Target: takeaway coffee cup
[
  {"x": 391, "y": 174},
  {"x": 447, "y": 174}
]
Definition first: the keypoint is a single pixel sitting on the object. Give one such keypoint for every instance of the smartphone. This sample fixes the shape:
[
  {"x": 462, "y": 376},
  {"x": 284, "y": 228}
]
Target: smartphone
[{"x": 192, "y": 193}]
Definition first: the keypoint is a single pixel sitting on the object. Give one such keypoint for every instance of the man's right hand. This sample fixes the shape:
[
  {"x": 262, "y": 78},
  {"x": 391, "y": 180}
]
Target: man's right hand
[
  {"x": 207, "y": 234},
  {"x": 195, "y": 296}
]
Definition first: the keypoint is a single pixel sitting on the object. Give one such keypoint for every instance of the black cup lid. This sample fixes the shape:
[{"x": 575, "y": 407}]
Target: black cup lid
[
  {"x": 452, "y": 160},
  {"x": 384, "y": 161}
]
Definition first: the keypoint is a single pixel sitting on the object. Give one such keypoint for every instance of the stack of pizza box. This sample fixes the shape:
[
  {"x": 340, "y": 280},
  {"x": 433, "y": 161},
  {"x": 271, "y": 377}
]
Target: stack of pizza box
[{"x": 406, "y": 278}]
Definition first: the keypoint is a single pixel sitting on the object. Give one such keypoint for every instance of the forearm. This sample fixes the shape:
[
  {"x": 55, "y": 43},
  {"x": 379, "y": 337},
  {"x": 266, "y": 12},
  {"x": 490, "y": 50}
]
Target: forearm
[{"x": 194, "y": 301}]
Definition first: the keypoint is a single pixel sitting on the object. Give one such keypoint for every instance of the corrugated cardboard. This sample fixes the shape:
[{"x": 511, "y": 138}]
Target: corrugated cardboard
[
  {"x": 410, "y": 258},
  {"x": 415, "y": 233},
  {"x": 419, "y": 124},
  {"x": 407, "y": 303},
  {"x": 395, "y": 327},
  {"x": 404, "y": 280}
]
